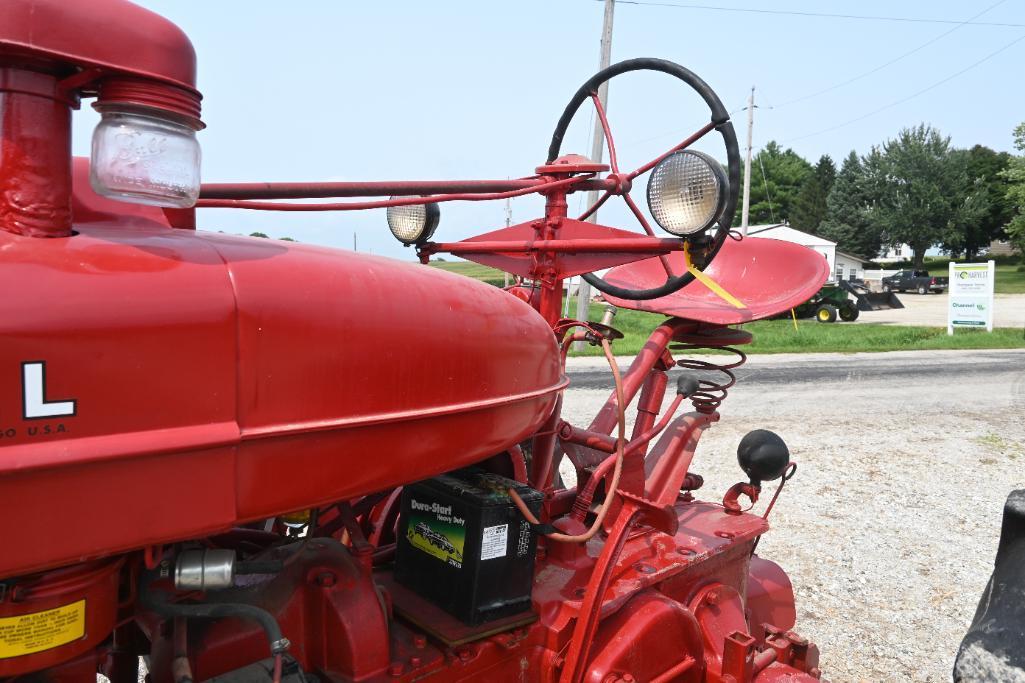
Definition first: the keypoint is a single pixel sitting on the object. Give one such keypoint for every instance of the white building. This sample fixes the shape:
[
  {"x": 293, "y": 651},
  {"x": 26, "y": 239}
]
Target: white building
[
  {"x": 841, "y": 266},
  {"x": 901, "y": 252}
]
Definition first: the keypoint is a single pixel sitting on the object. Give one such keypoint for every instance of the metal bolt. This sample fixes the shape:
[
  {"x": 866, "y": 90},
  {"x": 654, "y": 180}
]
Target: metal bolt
[
  {"x": 686, "y": 551},
  {"x": 713, "y": 597},
  {"x": 396, "y": 669},
  {"x": 644, "y": 568},
  {"x": 796, "y": 639},
  {"x": 419, "y": 641},
  {"x": 464, "y": 654},
  {"x": 414, "y": 662}
]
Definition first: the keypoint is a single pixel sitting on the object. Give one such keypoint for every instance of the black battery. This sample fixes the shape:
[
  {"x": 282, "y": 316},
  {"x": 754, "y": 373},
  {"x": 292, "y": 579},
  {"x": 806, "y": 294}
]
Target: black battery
[{"x": 463, "y": 545}]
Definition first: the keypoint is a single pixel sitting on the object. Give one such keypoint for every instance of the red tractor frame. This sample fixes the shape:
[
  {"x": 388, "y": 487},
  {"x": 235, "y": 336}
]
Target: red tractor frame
[{"x": 274, "y": 558}]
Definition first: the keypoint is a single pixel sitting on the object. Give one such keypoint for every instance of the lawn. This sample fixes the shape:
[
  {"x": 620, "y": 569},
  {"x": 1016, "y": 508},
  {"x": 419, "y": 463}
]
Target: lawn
[
  {"x": 492, "y": 276},
  {"x": 779, "y": 336}
]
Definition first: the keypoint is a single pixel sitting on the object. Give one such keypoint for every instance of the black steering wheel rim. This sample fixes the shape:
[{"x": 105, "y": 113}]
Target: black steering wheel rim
[{"x": 721, "y": 121}]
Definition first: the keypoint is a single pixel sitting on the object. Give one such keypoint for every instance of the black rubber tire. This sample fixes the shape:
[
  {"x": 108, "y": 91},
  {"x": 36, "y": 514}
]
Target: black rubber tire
[
  {"x": 826, "y": 313},
  {"x": 849, "y": 313},
  {"x": 721, "y": 119},
  {"x": 923, "y": 290}
]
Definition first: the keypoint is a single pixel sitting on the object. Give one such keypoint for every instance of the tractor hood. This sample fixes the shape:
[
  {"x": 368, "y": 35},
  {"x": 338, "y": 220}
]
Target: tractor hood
[{"x": 160, "y": 384}]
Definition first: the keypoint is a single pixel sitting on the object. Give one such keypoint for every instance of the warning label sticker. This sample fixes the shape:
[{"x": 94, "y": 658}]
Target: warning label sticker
[
  {"x": 493, "y": 541},
  {"x": 28, "y": 633}
]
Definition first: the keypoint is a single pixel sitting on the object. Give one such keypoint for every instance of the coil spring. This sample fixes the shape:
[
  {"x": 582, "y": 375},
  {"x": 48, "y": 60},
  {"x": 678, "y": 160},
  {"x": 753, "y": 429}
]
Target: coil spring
[{"x": 710, "y": 394}]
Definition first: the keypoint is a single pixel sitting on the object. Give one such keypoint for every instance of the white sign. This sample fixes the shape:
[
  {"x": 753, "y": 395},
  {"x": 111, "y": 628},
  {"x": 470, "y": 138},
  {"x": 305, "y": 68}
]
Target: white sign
[
  {"x": 493, "y": 541},
  {"x": 970, "y": 298}
]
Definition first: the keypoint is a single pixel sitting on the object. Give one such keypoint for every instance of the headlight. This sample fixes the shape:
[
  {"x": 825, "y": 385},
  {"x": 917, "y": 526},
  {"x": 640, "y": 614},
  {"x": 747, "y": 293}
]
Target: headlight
[
  {"x": 413, "y": 224},
  {"x": 687, "y": 192}
]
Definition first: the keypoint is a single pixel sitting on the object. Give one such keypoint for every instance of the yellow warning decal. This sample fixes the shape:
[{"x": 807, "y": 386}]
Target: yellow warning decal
[{"x": 28, "y": 633}]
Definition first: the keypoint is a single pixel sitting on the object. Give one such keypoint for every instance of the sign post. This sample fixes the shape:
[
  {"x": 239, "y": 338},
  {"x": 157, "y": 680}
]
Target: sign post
[{"x": 970, "y": 297}]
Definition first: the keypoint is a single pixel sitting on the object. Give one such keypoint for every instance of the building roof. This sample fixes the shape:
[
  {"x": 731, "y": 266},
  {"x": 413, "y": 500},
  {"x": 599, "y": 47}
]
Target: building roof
[
  {"x": 788, "y": 234},
  {"x": 853, "y": 257}
]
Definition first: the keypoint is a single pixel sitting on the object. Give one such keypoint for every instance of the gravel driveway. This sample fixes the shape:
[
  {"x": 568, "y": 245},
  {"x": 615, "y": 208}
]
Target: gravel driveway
[
  {"x": 931, "y": 310},
  {"x": 890, "y": 526}
]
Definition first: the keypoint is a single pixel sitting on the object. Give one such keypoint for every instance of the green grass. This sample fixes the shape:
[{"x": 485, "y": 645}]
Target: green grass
[
  {"x": 779, "y": 336},
  {"x": 492, "y": 276}
]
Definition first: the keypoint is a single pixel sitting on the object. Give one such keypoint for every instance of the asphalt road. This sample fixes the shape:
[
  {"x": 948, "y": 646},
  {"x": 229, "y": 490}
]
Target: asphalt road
[{"x": 588, "y": 373}]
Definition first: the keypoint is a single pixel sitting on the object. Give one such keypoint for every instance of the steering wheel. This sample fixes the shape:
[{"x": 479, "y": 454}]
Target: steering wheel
[{"x": 702, "y": 246}]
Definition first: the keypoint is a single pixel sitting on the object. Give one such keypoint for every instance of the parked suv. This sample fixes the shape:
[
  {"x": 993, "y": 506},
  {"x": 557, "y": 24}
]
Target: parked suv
[{"x": 916, "y": 280}]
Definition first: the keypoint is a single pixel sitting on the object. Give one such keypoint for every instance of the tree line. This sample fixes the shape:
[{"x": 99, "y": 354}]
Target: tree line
[{"x": 914, "y": 189}]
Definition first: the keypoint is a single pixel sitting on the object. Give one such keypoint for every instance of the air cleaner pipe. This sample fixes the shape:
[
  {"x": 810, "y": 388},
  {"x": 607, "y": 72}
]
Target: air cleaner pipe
[{"x": 35, "y": 154}]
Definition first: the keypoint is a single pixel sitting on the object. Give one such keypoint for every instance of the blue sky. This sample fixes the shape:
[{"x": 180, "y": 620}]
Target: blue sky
[{"x": 380, "y": 90}]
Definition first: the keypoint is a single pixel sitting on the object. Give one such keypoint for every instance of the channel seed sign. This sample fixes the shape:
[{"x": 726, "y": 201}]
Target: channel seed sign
[{"x": 970, "y": 302}]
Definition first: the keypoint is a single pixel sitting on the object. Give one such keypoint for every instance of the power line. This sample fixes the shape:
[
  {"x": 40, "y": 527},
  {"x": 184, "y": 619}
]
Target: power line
[
  {"x": 820, "y": 15},
  {"x": 765, "y": 182},
  {"x": 912, "y": 96},
  {"x": 892, "y": 61}
]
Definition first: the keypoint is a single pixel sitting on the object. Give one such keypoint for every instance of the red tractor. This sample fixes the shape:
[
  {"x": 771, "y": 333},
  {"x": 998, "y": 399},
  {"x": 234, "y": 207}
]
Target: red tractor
[{"x": 241, "y": 459}]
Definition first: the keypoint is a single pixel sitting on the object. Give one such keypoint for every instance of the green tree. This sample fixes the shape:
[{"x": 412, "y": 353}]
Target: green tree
[
  {"x": 776, "y": 178},
  {"x": 809, "y": 208},
  {"x": 919, "y": 190},
  {"x": 259, "y": 234},
  {"x": 847, "y": 219},
  {"x": 1014, "y": 174},
  {"x": 984, "y": 168}
]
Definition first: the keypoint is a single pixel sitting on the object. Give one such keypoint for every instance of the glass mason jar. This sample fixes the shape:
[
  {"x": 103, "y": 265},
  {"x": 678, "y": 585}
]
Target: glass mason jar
[{"x": 140, "y": 157}]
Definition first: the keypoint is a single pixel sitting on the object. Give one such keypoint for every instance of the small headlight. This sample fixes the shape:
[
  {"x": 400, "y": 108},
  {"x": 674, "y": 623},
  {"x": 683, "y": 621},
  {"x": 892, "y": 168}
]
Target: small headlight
[
  {"x": 413, "y": 224},
  {"x": 687, "y": 192}
]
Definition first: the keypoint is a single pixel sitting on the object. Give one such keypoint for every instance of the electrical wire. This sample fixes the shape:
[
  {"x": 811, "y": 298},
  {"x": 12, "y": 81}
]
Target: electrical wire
[
  {"x": 616, "y": 472},
  {"x": 892, "y": 61},
  {"x": 818, "y": 15},
  {"x": 912, "y": 96}
]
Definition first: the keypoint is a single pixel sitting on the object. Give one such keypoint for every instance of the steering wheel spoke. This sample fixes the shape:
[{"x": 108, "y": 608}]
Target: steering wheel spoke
[
  {"x": 698, "y": 134},
  {"x": 711, "y": 239}
]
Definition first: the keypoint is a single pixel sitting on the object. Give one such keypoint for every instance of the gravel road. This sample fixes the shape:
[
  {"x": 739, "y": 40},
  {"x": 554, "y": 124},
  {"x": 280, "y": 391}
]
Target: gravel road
[
  {"x": 890, "y": 526},
  {"x": 930, "y": 310}
]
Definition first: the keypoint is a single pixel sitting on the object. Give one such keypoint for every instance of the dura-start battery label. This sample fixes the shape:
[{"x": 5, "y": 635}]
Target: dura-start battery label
[
  {"x": 433, "y": 528},
  {"x": 27, "y": 633}
]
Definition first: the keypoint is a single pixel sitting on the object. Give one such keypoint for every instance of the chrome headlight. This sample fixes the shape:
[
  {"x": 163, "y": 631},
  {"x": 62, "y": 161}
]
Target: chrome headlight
[
  {"x": 687, "y": 192},
  {"x": 413, "y": 224}
]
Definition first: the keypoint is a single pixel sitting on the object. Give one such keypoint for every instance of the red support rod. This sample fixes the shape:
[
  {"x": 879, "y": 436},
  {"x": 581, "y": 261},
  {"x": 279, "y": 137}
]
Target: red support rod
[
  {"x": 388, "y": 188},
  {"x": 628, "y": 245}
]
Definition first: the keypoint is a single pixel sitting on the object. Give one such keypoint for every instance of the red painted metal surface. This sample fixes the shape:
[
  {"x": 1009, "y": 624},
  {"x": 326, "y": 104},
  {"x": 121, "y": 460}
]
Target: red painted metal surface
[
  {"x": 35, "y": 155},
  {"x": 111, "y": 36},
  {"x": 166, "y": 389},
  {"x": 278, "y": 345},
  {"x": 768, "y": 276},
  {"x": 85, "y": 596}
]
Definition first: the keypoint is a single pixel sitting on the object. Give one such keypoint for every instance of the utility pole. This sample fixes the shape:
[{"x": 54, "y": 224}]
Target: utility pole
[
  {"x": 597, "y": 147},
  {"x": 747, "y": 163},
  {"x": 508, "y": 222}
]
